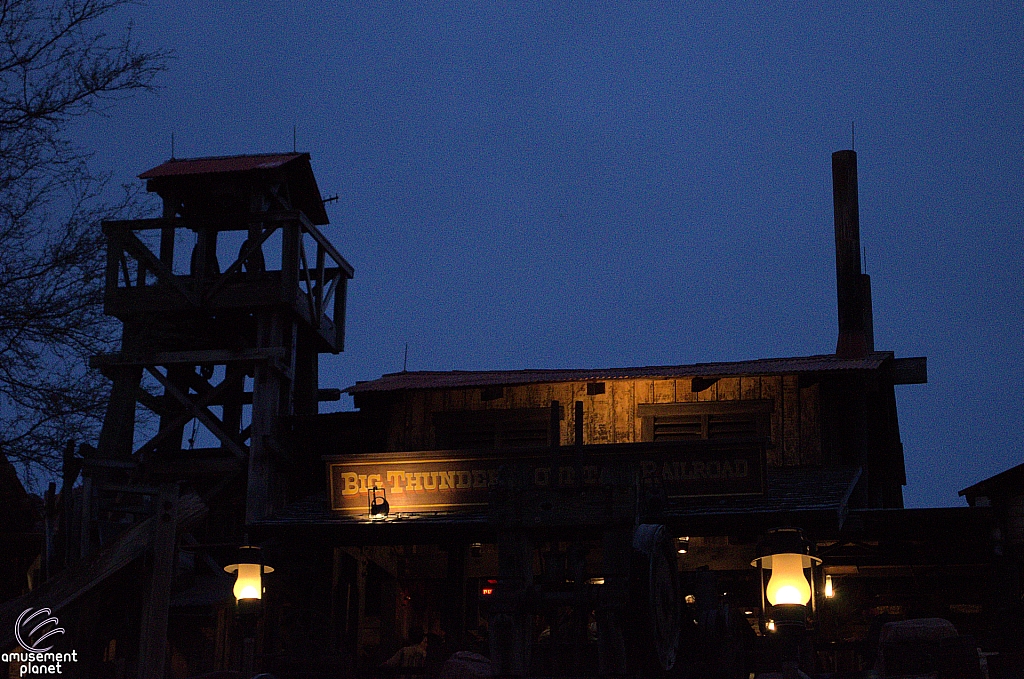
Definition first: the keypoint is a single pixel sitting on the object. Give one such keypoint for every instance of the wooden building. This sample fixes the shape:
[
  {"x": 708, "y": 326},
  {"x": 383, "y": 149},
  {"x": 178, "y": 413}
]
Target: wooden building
[{"x": 554, "y": 522}]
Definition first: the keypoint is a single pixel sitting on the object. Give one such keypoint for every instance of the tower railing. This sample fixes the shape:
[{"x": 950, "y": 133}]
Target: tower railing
[{"x": 305, "y": 272}]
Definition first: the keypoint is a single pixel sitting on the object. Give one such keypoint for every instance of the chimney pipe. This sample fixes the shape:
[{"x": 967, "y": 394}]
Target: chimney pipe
[{"x": 856, "y": 336}]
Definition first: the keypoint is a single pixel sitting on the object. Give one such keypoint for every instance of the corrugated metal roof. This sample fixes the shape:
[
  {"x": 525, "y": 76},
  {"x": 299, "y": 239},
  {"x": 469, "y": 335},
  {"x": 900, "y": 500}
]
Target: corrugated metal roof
[
  {"x": 177, "y": 167},
  {"x": 764, "y": 366}
]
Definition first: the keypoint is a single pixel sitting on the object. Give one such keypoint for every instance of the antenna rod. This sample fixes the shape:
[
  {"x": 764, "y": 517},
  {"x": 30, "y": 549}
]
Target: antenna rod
[{"x": 294, "y": 145}]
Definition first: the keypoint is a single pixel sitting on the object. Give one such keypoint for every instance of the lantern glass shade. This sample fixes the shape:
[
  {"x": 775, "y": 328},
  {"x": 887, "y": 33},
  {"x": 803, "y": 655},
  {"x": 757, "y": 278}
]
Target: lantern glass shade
[
  {"x": 249, "y": 580},
  {"x": 788, "y": 585},
  {"x": 829, "y": 591}
]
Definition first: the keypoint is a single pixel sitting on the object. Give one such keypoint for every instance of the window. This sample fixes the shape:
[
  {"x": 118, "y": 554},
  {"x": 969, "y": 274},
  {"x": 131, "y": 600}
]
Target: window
[
  {"x": 719, "y": 420},
  {"x": 492, "y": 393}
]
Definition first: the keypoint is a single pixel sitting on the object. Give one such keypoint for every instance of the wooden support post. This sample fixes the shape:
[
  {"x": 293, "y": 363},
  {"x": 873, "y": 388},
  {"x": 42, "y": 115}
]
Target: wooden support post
[
  {"x": 266, "y": 406},
  {"x": 617, "y": 546},
  {"x": 365, "y": 635},
  {"x": 577, "y": 450},
  {"x": 454, "y": 620},
  {"x": 85, "y": 520},
  {"x": 554, "y": 426},
  {"x": 233, "y": 400},
  {"x": 332, "y": 633},
  {"x": 118, "y": 431},
  {"x": 511, "y": 624},
  {"x": 554, "y": 434},
  {"x": 153, "y": 634},
  {"x": 167, "y": 246},
  {"x": 306, "y": 375},
  {"x": 579, "y": 424},
  {"x": 173, "y": 441}
]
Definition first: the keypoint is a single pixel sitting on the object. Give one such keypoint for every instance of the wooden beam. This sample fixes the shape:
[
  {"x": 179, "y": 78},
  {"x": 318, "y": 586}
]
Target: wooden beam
[
  {"x": 327, "y": 394},
  {"x": 153, "y": 632},
  {"x": 321, "y": 239},
  {"x": 314, "y": 317},
  {"x": 155, "y": 403},
  {"x": 139, "y": 251},
  {"x": 215, "y": 356},
  {"x": 266, "y": 409},
  {"x": 910, "y": 370},
  {"x": 172, "y": 426},
  {"x": 320, "y": 261},
  {"x": 78, "y": 580},
  {"x": 119, "y": 227},
  {"x": 236, "y": 266},
  {"x": 191, "y": 468},
  {"x": 204, "y": 415}
]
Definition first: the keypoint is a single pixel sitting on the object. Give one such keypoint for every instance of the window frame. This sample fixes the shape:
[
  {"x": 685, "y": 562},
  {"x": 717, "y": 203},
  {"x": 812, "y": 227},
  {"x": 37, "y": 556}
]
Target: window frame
[{"x": 761, "y": 408}]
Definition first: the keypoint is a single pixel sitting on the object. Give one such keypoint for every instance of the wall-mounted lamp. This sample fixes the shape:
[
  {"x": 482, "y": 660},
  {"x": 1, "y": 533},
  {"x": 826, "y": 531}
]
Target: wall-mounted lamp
[
  {"x": 250, "y": 570},
  {"x": 476, "y": 550},
  {"x": 786, "y": 554},
  {"x": 683, "y": 545},
  {"x": 379, "y": 507}
]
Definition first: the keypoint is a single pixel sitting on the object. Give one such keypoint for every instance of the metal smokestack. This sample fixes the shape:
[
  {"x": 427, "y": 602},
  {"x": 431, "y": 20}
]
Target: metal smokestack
[{"x": 856, "y": 336}]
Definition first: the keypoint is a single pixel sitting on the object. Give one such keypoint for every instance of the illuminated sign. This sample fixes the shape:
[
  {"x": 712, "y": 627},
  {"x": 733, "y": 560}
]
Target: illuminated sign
[{"x": 446, "y": 481}]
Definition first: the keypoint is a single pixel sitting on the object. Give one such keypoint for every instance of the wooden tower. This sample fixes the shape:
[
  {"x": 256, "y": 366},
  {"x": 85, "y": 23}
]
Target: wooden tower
[{"x": 226, "y": 302}]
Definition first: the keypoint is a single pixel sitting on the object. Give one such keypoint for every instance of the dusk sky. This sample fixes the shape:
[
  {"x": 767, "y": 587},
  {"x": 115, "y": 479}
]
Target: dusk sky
[{"x": 586, "y": 185}]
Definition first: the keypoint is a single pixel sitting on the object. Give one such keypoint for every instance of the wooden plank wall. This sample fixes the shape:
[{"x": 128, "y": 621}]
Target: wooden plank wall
[{"x": 611, "y": 417}]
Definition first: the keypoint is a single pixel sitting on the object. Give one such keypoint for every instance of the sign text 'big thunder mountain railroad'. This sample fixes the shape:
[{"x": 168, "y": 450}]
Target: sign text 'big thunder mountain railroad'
[{"x": 459, "y": 480}]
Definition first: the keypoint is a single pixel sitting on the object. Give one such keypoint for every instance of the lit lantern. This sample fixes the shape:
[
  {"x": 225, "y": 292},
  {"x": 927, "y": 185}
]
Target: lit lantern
[
  {"x": 829, "y": 591},
  {"x": 786, "y": 554},
  {"x": 250, "y": 570},
  {"x": 379, "y": 507},
  {"x": 682, "y": 545}
]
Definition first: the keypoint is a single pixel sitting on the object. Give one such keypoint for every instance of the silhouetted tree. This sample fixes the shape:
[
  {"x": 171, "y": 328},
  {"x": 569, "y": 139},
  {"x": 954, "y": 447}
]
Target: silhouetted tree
[{"x": 57, "y": 64}]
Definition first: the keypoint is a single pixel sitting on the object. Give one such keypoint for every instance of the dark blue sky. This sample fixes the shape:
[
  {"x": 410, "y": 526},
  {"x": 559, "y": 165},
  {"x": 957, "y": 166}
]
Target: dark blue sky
[{"x": 588, "y": 185}]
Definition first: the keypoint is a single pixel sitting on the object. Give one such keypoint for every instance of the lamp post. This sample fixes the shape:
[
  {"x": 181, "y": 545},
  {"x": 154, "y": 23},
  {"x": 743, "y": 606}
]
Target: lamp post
[
  {"x": 785, "y": 555},
  {"x": 248, "y": 591}
]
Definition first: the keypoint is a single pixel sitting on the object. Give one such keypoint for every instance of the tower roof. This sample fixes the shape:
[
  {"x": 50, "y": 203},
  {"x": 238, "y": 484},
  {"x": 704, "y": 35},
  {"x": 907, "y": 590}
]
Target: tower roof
[{"x": 294, "y": 168}]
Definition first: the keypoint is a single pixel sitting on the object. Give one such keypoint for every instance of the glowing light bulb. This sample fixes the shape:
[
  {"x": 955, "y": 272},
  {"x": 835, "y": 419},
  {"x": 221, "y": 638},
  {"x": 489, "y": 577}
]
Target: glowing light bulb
[{"x": 829, "y": 592}]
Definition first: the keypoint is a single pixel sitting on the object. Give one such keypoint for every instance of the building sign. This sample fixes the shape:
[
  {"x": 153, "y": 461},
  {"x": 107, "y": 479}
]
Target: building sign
[{"x": 446, "y": 481}]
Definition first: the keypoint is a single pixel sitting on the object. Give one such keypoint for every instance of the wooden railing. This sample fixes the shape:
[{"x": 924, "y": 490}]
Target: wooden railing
[{"x": 307, "y": 273}]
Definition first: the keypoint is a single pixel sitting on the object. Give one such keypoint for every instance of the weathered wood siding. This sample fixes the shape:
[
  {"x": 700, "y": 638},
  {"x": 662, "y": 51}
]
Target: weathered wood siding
[{"x": 612, "y": 417}]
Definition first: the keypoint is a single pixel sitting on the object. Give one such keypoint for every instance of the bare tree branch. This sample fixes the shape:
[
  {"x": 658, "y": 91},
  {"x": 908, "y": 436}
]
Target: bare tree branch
[{"x": 56, "y": 65}]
